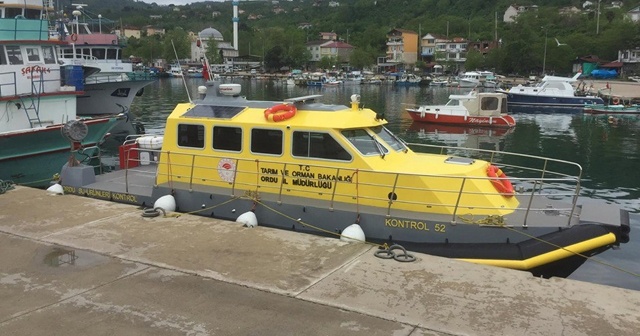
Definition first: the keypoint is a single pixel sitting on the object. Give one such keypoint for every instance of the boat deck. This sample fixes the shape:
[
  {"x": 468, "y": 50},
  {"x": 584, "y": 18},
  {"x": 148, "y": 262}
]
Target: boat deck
[{"x": 140, "y": 181}]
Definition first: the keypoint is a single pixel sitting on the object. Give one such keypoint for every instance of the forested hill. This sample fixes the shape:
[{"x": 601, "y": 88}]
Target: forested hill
[{"x": 364, "y": 23}]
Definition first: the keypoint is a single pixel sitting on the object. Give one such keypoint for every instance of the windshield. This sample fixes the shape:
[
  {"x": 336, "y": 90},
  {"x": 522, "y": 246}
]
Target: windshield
[
  {"x": 364, "y": 142},
  {"x": 389, "y": 138}
]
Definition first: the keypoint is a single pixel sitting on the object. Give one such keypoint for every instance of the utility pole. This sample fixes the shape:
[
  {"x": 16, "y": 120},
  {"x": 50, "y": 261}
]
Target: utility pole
[
  {"x": 598, "y": 19},
  {"x": 544, "y": 58}
]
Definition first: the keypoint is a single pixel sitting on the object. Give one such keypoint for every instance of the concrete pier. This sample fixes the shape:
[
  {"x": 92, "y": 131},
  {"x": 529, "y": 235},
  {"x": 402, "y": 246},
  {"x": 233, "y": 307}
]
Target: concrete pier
[{"x": 78, "y": 266}]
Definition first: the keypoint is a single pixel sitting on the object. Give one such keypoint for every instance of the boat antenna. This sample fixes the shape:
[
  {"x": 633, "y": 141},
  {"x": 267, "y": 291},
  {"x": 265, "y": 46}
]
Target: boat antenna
[{"x": 184, "y": 81}]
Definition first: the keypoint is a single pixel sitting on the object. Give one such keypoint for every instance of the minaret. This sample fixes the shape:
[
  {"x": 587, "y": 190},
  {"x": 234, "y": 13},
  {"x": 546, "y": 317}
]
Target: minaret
[{"x": 235, "y": 23}]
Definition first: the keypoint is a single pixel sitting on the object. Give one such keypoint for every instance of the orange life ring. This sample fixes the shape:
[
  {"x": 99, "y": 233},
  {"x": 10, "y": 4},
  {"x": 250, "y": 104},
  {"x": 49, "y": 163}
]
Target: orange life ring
[
  {"x": 280, "y": 112},
  {"x": 616, "y": 101},
  {"x": 74, "y": 37},
  {"x": 500, "y": 181}
]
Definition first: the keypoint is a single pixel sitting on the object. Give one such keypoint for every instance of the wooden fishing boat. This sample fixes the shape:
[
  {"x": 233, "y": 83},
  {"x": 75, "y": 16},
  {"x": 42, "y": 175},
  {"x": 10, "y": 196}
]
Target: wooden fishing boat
[{"x": 336, "y": 170}]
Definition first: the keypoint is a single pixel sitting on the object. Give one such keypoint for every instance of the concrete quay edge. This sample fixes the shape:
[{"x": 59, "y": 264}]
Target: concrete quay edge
[{"x": 74, "y": 265}]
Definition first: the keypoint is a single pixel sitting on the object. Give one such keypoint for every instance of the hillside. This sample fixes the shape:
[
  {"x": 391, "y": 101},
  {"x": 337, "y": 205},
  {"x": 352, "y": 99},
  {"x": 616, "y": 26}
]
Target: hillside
[{"x": 364, "y": 24}]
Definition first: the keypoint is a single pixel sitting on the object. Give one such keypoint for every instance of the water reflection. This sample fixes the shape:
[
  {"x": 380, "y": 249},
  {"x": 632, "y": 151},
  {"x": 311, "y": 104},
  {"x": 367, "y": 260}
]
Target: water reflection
[{"x": 461, "y": 136}]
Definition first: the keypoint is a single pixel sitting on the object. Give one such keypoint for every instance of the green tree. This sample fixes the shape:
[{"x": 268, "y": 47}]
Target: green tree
[
  {"x": 475, "y": 60},
  {"x": 297, "y": 55},
  {"x": 176, "y": 42},
  {"x": 362, "y": 58},
  {"x": 326, "y": 62},
  {"x": 212, "y": 52},
  {"x": 273, "y": 59}
]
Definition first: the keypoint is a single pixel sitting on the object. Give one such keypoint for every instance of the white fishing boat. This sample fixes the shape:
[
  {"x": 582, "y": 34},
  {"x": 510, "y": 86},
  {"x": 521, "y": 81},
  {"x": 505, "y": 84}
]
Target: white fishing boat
[
  {"x": 110, "y": 83},
  {"x": 39, "y": 130}
]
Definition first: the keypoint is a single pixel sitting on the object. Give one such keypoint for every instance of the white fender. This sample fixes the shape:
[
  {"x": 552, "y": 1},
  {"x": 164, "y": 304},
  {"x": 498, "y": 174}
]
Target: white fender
[
  {"x": 353, "y": 233},
  {"x": 248, "y": 219},
  {"x": 55, "y": 189},
  {"x": 167, "y": 202}
]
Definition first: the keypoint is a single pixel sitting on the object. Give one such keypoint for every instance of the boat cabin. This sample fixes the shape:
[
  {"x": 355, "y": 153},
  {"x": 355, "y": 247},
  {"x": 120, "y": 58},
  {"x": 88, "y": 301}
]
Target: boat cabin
[
  {"x": 225, "y": 139},
  {"x": 481, "y": 104}
]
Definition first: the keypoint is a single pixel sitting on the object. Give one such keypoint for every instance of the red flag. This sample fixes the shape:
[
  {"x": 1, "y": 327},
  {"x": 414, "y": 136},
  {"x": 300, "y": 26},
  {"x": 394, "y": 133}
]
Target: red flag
[{"x": 205, "y": 71}]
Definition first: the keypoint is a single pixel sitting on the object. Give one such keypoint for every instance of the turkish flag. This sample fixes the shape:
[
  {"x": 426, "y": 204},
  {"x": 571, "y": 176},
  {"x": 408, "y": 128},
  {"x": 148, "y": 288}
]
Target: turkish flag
[{"x": 205, "y": 71}]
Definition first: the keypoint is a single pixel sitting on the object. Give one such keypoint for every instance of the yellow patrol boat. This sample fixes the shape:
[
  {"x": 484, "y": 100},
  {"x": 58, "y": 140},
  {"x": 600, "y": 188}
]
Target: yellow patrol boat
[{"x": 336, "y": 170}]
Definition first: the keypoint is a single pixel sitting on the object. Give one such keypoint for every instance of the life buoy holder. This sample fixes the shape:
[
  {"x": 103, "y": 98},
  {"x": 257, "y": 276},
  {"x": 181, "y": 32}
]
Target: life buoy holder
[
  {"x": 74, "y": 37},
  {"x": 500, "y": 181},
  {"x": 616, "y": 101},
  {"x": 280, "y": 112}
]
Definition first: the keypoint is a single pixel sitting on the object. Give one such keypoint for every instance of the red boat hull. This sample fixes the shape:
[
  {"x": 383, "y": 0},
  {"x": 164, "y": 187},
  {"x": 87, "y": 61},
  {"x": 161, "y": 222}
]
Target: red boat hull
[{"x": 501, "y": 121}]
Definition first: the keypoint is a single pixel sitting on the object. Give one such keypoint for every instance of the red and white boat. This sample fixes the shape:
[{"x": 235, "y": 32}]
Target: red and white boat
[{"x": 477, "y": 109}]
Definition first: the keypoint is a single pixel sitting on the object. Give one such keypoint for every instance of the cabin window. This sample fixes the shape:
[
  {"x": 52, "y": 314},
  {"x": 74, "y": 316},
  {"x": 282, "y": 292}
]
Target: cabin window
[
  {"x": 112, "y": 54},
  {"x": 389, "y": 138},
  {"x": 48, "y": 55},
  {"x": 10, "y": 13},
  {"x": 318, "y": 145},
  {"x": 67, "y": 53},
  {"x": 14, "y": 55},
  {"x": 266, "y": 141},
  {"x": 33, "y": 54},
  {"x": 98, "y": 53},
  {"x": 364, "y": 142},
  {"x": 32, "y": 13},
  {"x": 489, "y": 103},
  {"x": 3, "y": 57},
  {"x": 227, "y": 138},
  {"x": 191, "y": 136}
]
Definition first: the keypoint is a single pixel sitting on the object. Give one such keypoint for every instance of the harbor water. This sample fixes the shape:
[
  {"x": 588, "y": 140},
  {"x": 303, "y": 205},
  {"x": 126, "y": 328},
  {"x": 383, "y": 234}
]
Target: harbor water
[{"x": 608, "y": 149}]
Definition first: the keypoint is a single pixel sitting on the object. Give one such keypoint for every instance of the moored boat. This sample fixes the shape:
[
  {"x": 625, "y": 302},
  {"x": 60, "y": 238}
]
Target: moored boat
[
  {"x": 40, "y": 131},
  {"x": 551, "y": 92},
  {"x": 478, "y": 109},
  {"x": 292, "y": 166},
  {"x": 110, "y": 85},
  {"x": 612, "y": 109}
]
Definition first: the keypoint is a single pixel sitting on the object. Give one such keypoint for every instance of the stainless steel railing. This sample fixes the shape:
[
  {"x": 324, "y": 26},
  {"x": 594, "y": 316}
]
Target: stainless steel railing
[{"x": 533, "y": 176}]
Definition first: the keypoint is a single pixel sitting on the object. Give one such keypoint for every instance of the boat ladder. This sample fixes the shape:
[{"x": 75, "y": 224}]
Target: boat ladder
[{"x": 31, "y": 105}]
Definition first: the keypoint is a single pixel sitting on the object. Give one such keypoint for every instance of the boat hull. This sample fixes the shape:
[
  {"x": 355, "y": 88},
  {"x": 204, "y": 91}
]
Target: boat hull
[
  {"x": 515, "y": 99},
  {"x": 32, "y": 157},
  {"x": 612, "y": 109},
  {"x": 109, "y": 97},
  {"x": 441, "y": 118},
  {"x": 502, "y": 246}
]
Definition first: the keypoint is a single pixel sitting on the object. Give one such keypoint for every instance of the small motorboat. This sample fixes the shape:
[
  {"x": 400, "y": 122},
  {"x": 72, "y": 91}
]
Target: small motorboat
[
  {"x": 552, "y": 92},
  {"x": 478, "y": 109},
  {"x": 616, "y": 107}
]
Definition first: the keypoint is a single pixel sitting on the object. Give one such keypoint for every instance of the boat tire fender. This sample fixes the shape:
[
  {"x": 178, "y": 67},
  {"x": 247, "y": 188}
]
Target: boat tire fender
[
  {"x": 280, "y": 112},
  {"x": 74, "y": 37},
  {"x": 500, "y": 181}
]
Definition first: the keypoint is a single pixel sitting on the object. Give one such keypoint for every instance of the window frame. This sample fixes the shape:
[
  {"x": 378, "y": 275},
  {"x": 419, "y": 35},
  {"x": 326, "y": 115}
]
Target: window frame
[
  {"x": 204, "y": 135},
  {"x": 213, "y": 138},
  {"x": 252, "y": 136}
]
